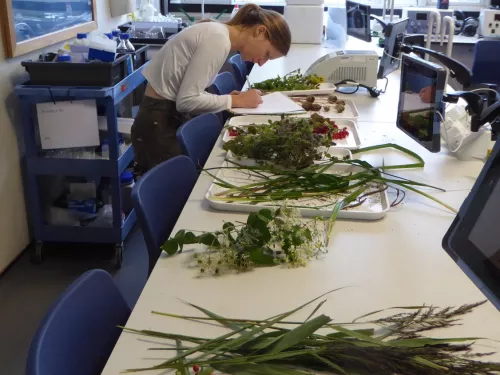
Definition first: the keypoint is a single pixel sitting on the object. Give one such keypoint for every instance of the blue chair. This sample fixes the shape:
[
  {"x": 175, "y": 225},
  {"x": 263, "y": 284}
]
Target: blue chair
[
  {"x": 197, "y": 137},
  {"x": 159, "y": 197},
  {"x": 80, "y": 331},
  {"x": 485, "y": 65},
  {"x": 223, "y": 84},
  {"x": 240, "y": 70}
]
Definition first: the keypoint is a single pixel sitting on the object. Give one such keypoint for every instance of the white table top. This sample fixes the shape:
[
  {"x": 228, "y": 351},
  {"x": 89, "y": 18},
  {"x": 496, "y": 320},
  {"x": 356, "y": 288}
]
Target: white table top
[{"x": 392, "y": 262}]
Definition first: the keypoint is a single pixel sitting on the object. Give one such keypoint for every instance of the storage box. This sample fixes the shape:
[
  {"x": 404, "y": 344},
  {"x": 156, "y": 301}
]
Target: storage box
[
  {"x": 306, "y": 23},
  {"x": 100, "y": 74}
]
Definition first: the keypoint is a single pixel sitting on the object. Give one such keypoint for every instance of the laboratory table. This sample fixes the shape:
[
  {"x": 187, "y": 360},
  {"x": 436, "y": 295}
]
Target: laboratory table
[{"x": 395, "y": 261}]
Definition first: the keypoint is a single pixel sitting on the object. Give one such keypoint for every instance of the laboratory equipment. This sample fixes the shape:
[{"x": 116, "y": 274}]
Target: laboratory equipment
[
  {"x": 472, "y": 240},
  {"x": 336, "y": 27},
  {"x": 489, "y": 23},
  {"x": 305, "y": 22},
  {"x": 125, "y": 46},
  {"x": 466, "y": 26},
  {"x": 421, "y": 20},
  {"x": 421, "y": 101},
  {"x": 356, "y": 66},
  {"x": 394, "y": 35},
  {"x": 358, "y": 20},
  {"x": 384, "y": 7}
]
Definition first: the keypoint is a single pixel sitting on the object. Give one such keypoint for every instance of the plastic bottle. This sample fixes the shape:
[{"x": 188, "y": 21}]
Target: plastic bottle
[
  {"x": 116, "y": 36},
  {"x": 235, "y": 10},
  {"x": 127, "y": 184},
  {"x": 81, "y": 40},
  {"x": 125, "y": 46}
]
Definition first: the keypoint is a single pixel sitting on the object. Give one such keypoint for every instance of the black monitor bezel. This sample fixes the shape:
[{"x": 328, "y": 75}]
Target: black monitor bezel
[
  {"x": 433, "y": 145},
  {"x": 394, "y": 36},
  {"x": 367, "y": 37},
  {"x": 456, "y": 241}
]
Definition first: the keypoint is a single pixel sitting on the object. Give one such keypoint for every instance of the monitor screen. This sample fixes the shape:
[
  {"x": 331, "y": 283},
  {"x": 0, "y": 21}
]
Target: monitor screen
[
  {"x": 394, "y": 35},
  {"x": 472, "y": 239},
  {"x": 420, "y": 98},
  {"x": 421, "y": 16},
  {"x": 358, "y": 21}
]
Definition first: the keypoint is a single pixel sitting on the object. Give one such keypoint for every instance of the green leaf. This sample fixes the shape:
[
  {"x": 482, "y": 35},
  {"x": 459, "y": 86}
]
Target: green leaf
[
  {"x": 262, "y": 341},
  {"x": 265, "y": 215},
  {"x": 170, "y": 246},
  {"x": 330, "y": 363},
  {"x": 390, "y": 308},
  {"x": 428, "y": 363},
  {"x": 223, "y": 321},
  {"x": 421, "y": 342},
  {"x": 179, "y": 236},
  {"x": 262, "y": 256},
  {"x": 298, "y": 334},
  {"x": 358, "y": 335},
  {"x": 341, "y": 335},
  {"x": 206, "y": 371},
  {"x": 208, "y": 239},
  {"x": 253, "y": 219},
  {"x": 228, "y": 226},
  {"x": 315, "y": 310},
  {"x": 190, "y": 238},
  {"x": 258, "y": 369}
]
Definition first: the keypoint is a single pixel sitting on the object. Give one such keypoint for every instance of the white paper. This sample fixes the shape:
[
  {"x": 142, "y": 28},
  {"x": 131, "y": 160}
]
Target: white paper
[
  {"x": 274, "y": 103},
  {"x": 68, "y": 124}
]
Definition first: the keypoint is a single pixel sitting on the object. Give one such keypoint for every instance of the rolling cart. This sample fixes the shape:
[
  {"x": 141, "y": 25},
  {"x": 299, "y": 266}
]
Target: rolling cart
[{"x": 38, "y": 164}]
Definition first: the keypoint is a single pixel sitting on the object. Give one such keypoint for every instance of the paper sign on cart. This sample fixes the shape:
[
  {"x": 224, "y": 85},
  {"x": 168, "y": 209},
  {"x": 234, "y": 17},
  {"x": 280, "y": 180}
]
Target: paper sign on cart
[
  {"x": 275, "y": 103},
  {"x": 68, "y": 124}
]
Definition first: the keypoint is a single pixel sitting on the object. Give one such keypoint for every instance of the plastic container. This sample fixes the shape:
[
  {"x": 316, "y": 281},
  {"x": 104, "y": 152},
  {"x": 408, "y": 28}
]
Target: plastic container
[
  {"x": 99, "y": 74},
  {"x": 102, "y": 49},
  {"x": 235, "y": 10},
  {"x": 125, "y": 46},
  {"x": 127, "y": 184},
  {"x": 80, "y": 48},
  {"x": 116, "y": 36},
  {"x": 64, "y": 58}
]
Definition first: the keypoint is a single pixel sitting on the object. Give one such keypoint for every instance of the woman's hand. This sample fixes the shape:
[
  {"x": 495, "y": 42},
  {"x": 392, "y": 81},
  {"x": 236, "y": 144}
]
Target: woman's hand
[
  {"x": 235, "y": 92},
  {"x": 248, "y": 99}
]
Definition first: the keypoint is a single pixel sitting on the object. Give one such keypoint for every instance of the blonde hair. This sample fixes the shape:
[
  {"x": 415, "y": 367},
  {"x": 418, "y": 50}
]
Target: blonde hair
[{"x": 252, "y": 15}]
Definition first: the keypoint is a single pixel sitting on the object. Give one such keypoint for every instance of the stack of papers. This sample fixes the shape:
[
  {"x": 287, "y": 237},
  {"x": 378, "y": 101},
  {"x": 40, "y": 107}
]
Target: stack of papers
[{"x": 272, "y": 104}]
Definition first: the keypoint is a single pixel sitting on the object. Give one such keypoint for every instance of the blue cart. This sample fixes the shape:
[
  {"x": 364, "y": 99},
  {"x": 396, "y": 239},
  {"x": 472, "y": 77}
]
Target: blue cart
[{"x": 38, "y": 164}]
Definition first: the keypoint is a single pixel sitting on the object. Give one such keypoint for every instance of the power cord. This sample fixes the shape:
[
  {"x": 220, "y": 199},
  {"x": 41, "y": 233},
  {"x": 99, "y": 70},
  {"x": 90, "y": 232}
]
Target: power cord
[
  {"x": 446, "y": 139},
  {"x": 373, "y": 91},
  {"x": 386, "y": 83}
]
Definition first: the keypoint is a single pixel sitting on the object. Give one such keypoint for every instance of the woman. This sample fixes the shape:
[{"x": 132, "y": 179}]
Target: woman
[{"x": 181, "y": 71}]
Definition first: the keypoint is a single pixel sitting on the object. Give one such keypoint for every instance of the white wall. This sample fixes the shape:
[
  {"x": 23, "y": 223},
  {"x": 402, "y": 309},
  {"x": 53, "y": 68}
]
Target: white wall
[{"x": 13, "y": 219}]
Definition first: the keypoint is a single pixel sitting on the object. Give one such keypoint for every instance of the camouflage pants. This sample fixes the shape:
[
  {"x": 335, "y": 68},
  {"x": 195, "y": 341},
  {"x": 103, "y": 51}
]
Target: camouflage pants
[{"x": 154, "y": 133}]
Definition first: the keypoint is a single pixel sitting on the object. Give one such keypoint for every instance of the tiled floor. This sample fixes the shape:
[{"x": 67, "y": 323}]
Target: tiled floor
[{"x": 27, "y": 290}]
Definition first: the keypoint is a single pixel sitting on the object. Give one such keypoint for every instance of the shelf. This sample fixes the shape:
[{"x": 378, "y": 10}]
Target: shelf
[
  {"x": 40, "y": 165},
  {"x": 38, "y": 94},
  {"x": 61, "y": 233}
]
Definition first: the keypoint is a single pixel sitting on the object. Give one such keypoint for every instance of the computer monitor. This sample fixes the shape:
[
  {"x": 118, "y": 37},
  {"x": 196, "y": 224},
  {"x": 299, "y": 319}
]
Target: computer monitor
[
  {"x": 472, "y": 240},
  {"x": 420, "y": 100},
  {"x": 358, "y": 20},
  {"x": 391, "y": 58}
]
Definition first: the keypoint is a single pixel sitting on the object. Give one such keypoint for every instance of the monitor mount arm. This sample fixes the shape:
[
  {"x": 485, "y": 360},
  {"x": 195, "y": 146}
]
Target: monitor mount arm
[
  {"x": 480, "y": 113},
  {"x": 382, "y": 23},
  {"x": 457, "y": 70}
]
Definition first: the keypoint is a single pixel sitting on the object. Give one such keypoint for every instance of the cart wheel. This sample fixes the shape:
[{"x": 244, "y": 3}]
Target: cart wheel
[
  {"x": 37, "y": 256},
  {"x": 118, "y": 255}
]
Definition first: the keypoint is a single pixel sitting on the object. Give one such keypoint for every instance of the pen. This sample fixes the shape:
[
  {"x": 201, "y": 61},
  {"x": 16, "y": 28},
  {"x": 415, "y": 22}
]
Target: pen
[{"x": 248, "y": 83}]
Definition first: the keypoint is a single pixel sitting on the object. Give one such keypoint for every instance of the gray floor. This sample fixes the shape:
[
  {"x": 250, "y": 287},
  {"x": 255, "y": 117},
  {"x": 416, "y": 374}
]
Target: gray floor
[{"x": 27, "y": 290}]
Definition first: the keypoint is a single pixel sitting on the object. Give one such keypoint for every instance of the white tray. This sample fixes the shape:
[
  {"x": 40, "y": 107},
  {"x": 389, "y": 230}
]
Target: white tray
[
  {"x": 350, "y": 111},
  {"x": 375, "y": 207},
  {"x": 326, "y": 88},
  {"x": 352, "y": 142}
]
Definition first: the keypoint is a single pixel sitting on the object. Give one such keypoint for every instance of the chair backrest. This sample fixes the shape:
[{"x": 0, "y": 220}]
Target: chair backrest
[
  {"x": 240, "y": 70},
  {"x": 223, "y": 84},
  {"x": 197, "y": 137},
  {"x": 485, "y": 65},
  {"x": 80, "y": 331},
  {"x": 158, "y": 199}
]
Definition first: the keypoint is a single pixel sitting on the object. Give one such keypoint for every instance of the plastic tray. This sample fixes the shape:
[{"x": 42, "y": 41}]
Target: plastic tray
[
  {"x": 350, "y": 112},
  {"x": 324, "y": 89},
  {"x": 375, "y": 207},
  {"x": 352, "y": 142}
]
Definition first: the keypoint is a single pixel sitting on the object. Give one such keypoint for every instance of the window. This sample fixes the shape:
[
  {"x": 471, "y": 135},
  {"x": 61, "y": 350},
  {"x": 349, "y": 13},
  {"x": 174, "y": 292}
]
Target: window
[{"x": 373, "y": 3}]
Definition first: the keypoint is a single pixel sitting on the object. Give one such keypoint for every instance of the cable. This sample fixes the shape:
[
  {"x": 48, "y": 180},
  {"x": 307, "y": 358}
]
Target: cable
[
  {"x": 386, "y": 83},
  {"x": 392, "y": 57},
  {"x": 486, "y": 89}
]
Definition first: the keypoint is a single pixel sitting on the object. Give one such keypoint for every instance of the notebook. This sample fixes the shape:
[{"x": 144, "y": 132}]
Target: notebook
[{"x": 274, "y": 103}]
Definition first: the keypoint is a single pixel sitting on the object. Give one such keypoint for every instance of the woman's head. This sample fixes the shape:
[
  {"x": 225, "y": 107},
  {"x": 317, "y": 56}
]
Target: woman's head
[{"x": 265, "y": 32}]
